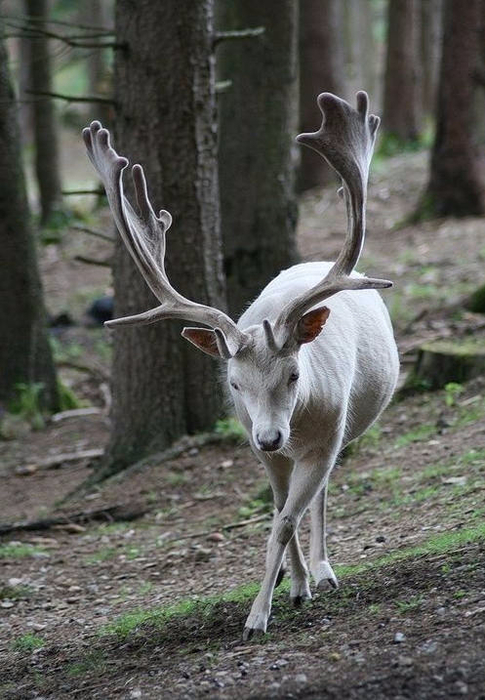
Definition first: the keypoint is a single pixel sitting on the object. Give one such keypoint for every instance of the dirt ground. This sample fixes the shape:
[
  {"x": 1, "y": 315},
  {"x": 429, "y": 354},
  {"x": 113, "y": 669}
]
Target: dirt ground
[{"x": 140, "y": 588}]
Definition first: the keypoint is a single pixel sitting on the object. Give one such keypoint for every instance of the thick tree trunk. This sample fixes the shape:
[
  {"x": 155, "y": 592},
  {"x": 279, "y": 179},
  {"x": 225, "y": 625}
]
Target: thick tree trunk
[
  {"x": 321, "y": 70},
  {"x": 431, "y": 42},
  {"x": 455, "y": 187},
  {"x": 25, "y": 355},
  {"x": 401, "y": 95},
  {"x": 45, "y": 132},
  {"x": 257, "y": 155},
  {"x": 162, "y": 386}
]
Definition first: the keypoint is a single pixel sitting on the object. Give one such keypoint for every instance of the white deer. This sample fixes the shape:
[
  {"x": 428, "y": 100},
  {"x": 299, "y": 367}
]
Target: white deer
[{"x": 301, "y": 394}]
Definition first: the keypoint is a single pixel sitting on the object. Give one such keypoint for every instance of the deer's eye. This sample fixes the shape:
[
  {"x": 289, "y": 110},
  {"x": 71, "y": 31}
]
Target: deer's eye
[
  {"x": 294, "y": 376},
  {"x": 235, "y": 386}
]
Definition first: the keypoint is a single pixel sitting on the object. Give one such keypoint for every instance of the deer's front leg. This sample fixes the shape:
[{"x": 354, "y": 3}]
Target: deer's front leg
[
  {"x": 307, "y": 480},
  {"x": 279, "y": 470}
]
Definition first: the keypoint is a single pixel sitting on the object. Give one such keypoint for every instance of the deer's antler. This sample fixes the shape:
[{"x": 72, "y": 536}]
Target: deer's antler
[
  {"x": 346, "y": 140},
  {"x": 144, "y": 234}
]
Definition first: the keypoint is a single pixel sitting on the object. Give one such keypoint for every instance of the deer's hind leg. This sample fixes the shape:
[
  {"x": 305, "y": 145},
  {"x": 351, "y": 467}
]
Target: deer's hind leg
[
  {"x": 279, "y": 471},
  {"x": 320, "y": 567}
]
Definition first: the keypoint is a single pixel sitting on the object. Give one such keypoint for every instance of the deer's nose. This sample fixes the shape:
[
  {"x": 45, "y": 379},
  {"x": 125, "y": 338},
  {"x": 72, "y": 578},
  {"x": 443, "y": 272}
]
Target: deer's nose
[{"x": 268, "y": 441}]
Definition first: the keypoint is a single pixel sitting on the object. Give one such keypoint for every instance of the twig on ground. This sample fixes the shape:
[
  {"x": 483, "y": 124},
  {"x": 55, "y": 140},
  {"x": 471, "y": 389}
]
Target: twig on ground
[{"x": 229, "y": 526}]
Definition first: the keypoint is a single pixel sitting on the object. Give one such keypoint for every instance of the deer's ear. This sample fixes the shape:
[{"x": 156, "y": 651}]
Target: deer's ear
[
  {"x": 310, "y": 325},
  {"x": 204, "y": 339}
]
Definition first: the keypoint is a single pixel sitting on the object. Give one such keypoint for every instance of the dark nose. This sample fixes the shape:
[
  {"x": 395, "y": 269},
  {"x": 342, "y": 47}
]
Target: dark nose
[{"x": 269, "y": 443}]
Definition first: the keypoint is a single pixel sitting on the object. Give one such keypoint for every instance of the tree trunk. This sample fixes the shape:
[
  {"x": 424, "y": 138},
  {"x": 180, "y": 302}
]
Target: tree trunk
[
  {"x": 321, "y": 70},
  {"x": 97, "y": 13},
  {"x": 455, "y": 187},
  {"x": 401, "y": 95},
  {"x": 257, "y": 154},
  {"x": 431, "y": 42},
  {"x": 45, "y": 132},
  {"x": 25, "y": 355},
  {"x": 162, "y": 386}
]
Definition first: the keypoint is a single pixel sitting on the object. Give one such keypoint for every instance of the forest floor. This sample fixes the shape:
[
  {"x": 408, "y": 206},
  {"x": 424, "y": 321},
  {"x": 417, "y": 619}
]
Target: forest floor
[{"x": 139, "y": 588}]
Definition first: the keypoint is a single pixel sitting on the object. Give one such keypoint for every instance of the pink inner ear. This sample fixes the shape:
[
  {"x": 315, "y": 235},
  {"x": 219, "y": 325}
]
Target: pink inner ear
[
  {"x": 203, "y": 339},
  {"x": 310, "y": 325}
]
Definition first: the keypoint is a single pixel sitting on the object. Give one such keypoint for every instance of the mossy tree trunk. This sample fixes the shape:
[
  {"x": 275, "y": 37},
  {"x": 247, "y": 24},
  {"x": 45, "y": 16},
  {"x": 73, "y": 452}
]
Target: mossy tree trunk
[
  {"x": 25, "y": 354},
  {"x": 455, "y": 186},
  {"x": 258, "y": 119},
  {"x": 165, "y": 120}
]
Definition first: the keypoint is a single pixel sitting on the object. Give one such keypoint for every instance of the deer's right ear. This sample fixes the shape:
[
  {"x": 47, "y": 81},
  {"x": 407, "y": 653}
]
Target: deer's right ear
[
  {"x": 310, "y": 325},
  {"x": 204, "y": 339}
]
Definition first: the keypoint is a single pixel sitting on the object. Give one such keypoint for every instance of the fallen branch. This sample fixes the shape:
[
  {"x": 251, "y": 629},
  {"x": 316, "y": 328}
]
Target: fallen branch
[
  {"x": 56, "y": 461},
  {"x": 92, "y": 261},
  {"x": 114, "y": 513}
]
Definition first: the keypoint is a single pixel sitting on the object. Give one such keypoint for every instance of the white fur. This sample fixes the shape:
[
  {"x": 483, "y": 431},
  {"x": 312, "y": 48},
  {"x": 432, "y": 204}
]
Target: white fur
[{"x": 346, "y": 378}]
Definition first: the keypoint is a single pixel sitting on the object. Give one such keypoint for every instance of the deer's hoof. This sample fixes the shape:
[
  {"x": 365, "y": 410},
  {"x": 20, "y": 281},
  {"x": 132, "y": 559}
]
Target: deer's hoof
[
  {"x": 300, "y": 593},
  {"x": 324, "y": 576},
  {"x": 255, "y": 626}
]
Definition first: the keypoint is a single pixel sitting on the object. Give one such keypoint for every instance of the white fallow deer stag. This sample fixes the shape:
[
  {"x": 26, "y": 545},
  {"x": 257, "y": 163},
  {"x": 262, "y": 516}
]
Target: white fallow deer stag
[{"x": 301, "y": 391}]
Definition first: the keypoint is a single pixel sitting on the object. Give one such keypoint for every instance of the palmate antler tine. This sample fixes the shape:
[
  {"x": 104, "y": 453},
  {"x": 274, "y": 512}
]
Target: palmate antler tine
[
  {"x": 346, "y": 140},
  {"x": 144, "y": 235}
]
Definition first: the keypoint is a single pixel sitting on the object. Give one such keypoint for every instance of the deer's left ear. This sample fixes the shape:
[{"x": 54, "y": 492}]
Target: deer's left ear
[
  {"x": 204, "y": 339},
  {"x": 310, "y": 325}
]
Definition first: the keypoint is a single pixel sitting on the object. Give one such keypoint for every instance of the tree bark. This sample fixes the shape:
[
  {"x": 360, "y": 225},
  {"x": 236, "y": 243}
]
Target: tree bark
[
  {"x": 44, "y": 116},
  {"x": 431, "y": 42},
  {"x": 321, "y": 70},
  {"x": 258, "y": 119},
  {"x": 455, "y": 185},
  {"x": 401, "y": 94},
  {"x": 25, "y": 355},
  {"x": 165, "y": 97}
]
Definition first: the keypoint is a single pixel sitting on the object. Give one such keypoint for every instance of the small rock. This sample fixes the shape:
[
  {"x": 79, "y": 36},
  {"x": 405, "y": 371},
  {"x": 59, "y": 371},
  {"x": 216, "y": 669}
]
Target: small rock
[
  {"x": 193, "y": 452},
  {"x": 279, "y": 663},
  {"x": 216, "y": 537},
  {"x": 301, "y": 678},
  {"x": 461, "y": 687},
  {"x": 6, "y": 604},
  {"x": 380, "y": 538},
  {"x": 405, "y": 661},
  {"x": 15, "y": 581},
  {"x": 334, "y": 656},
  {"x": 227, "y": 463},
  {"x": 135, "y": 693},
  {"x": 399, "y": 637}
]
